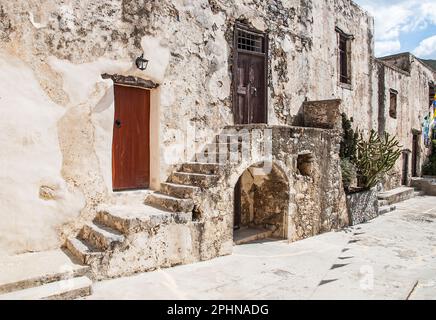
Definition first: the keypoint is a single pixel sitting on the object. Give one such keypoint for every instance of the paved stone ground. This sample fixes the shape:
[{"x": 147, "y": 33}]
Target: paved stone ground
[{"x": 391, "y": 257}]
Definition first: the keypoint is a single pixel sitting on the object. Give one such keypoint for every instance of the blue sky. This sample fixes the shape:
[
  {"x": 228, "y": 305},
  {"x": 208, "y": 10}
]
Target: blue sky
[{"x": 404, "y": 25}]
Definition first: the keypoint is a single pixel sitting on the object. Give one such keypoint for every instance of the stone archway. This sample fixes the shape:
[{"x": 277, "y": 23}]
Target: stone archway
[{"x": 261, "y": 204}]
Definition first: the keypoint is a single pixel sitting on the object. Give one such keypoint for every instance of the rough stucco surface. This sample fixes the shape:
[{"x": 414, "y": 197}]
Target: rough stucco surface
[
  {"x": 60, "y": 110},
  {"x": 410, "y": 78},
  {"x": 34, "y": 196}
]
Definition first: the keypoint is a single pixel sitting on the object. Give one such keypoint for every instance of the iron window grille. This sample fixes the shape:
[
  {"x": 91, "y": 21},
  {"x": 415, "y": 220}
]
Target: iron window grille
[{"x": 250, "y": 41}]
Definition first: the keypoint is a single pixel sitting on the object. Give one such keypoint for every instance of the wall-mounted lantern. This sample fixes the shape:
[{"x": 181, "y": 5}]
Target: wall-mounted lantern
[{"x": 141, "y": 62}]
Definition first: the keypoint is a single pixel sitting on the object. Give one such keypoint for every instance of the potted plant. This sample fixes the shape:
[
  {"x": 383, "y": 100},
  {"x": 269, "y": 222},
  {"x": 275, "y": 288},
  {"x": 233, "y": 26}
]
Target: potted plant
[{"x": 364, "y": 162}]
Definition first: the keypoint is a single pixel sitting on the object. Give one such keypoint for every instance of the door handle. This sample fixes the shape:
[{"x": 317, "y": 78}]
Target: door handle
[
  {"x": 254, "y": 91},
  {"x": 118, "y": 123}
]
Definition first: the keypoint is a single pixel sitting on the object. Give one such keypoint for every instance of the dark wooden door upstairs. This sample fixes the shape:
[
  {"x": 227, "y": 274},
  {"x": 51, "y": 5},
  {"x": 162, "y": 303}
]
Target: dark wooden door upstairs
[{"x": 250, "y": 76}]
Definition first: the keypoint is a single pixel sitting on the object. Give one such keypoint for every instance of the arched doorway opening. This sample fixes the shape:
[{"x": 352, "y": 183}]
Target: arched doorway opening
[{"x": 261, "y": 204}]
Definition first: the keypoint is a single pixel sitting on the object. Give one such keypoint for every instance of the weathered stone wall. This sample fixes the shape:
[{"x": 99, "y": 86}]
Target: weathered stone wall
[
  {"x": 410, "y": 78},
  {"x": 56, "y": 51},
  {"x": 324, "y": 61},
  {"x": 316, "y": 201},
  {"x": 59, "y": 110},
  {"x": 322, "y": 114}
]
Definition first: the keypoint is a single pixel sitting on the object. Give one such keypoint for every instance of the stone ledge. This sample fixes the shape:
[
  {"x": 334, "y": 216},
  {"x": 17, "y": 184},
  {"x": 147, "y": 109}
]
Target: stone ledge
[{"x": 130, "y": 81}]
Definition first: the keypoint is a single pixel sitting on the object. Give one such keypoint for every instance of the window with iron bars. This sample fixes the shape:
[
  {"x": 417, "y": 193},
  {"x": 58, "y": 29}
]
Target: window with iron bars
[{"x": 250, "y": 41}]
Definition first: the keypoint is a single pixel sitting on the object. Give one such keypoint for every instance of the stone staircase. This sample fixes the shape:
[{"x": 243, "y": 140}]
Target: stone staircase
[
  {"x": 426, "y": 185},
  {"x": 45, "y": 275},
  {"x": 116, "y": 228},
  {"x": 388, "y": 199}
]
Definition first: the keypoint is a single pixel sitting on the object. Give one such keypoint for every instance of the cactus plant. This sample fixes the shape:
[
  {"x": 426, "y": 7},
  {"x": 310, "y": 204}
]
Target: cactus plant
[
  {"x": 375, "y": 157},
  {"x": 369, "y": 158}
]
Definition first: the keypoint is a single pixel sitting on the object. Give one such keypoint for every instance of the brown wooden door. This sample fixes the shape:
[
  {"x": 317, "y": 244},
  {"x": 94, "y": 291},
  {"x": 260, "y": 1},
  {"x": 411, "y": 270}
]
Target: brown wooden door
[
  {"x": 251, "y": 89},
  {"x": 131, "y": 139},
  {"x": 249, "y": 73}
]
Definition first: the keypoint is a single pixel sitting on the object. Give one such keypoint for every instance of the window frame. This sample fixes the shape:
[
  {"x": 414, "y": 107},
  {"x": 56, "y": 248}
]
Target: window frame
[
  {"x": 393, "y": 107},
  {"x": 432, "y": 92},
  {"x": 345, "y": 75}
]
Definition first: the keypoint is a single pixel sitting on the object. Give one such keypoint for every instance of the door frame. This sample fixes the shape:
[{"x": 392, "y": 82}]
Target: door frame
[
  {"x": 405, "y": 168},
  {"x": 237, "y": 209},
  {"x": 246, "y": 28},
  {"x": 415, "y": 154},
  {"x": 114, "y": 189}
]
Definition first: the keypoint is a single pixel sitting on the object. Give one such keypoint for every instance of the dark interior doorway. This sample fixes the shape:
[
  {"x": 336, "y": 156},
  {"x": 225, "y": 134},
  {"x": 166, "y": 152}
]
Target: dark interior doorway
[
  {"x": 250, "y": 75},
  {"x": 405, "y": 174},
  {"x": 415, "y": 155},
  {"x": 261, "y": 203},
  {"x": 237, "y": 206}
]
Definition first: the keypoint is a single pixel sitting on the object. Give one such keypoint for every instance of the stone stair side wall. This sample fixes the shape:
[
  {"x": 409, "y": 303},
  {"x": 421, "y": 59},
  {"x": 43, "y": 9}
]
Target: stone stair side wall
[{"x": 316, "y": 202}]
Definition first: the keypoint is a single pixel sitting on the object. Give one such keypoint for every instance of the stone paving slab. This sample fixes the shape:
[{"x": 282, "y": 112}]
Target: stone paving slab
[
  {"x": 382, "y": 259},
  {"x": 30, "y": 269}
]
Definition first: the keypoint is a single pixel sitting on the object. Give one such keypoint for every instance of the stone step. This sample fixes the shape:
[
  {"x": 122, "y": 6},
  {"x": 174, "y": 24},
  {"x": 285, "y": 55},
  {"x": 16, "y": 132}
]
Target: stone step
[
  {"x": 195, "y": 179},
  {"x": 202, "y": 168},
  {"x": 83, "y": 251},
  {"x": 129, "y": 219},
  {"x": 220, "y": 158},
  {"x": 59, "y": 290},
  {"x": 179, "y": 190},
  {"x": 419, "y": 193},
  {"x": 397, "y": 195},
  {"x": 382, "y": 203},
  {"x": 427, "y": 185},
  {"x": 169, "y": 203},
  {"x": 37, "y": 268},
  {"x": 247, "y": 235},
  {"x": 100, "y": 236},
  {"x": 386, "y": 209}
]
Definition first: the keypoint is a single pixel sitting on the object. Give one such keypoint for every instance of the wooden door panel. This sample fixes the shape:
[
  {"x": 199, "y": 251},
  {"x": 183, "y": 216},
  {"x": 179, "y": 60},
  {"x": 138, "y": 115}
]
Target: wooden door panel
[
  {"x": 131, "y": 139},
  {"x": 251, "y": 89}
]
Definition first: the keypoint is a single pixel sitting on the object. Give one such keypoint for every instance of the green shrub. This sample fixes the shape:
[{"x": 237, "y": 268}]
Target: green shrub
[
  {"x": 367, "y": 159},
  {"x": 348, "y": 173},
  {"x": 349, "y": 139},
  {"x": 429, "y": 169}
]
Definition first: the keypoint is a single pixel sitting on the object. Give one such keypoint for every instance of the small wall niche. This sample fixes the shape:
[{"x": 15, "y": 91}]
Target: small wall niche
[{"x": 305, "y": 164}]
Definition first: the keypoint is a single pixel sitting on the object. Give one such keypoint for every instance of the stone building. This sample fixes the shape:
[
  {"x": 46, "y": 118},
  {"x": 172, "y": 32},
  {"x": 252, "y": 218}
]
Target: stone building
[
  {"x": 405, "y": 93},
  {"x": 138, "y": 133}
]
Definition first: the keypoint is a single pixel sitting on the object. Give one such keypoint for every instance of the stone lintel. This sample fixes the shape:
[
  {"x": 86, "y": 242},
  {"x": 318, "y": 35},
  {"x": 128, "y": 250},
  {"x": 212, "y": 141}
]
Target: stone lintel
[{"x": 130, "y": 81}]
